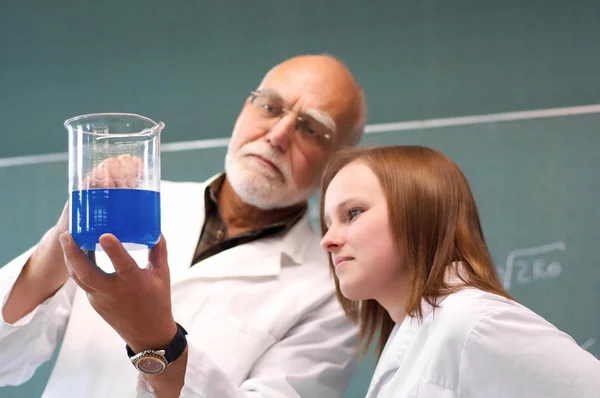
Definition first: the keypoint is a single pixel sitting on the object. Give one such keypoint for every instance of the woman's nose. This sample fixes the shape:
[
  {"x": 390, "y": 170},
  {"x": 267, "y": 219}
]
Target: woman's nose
[{"x": 331, "y": 241}]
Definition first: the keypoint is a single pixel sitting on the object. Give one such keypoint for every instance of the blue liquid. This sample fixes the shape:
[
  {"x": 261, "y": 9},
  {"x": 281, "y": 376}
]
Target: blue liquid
[{"x": 132, "y": 215}]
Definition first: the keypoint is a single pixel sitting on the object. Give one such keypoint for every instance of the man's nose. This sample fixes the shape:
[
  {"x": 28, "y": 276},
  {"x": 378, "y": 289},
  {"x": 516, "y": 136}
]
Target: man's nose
[{"x": 280, "y": 135}]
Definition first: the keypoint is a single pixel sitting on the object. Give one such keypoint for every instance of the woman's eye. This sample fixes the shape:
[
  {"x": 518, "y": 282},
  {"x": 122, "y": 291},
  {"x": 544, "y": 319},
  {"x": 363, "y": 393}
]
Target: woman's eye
[{"x": 352, "y": 213}]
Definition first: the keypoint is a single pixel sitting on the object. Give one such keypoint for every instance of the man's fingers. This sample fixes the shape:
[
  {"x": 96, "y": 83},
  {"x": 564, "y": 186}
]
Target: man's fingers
[
  {"x": 130, "y": 167},
  {"x": 157, "y": 258},
  {"x": 87, "y": 275},
  {"x": 79, "y": 283},
  {"x": 93, "y": 180},
  {"x": 124, "y": 264},
  {"x": 123, "y": 171},
  {"x": 63, "y": 221},
  {"x": 101, "y": 176},
  {"x": 114, "y": 172}
]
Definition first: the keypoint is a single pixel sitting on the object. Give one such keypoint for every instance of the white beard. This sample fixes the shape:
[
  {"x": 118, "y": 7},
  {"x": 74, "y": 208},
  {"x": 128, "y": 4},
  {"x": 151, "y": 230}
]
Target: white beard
[{"x": 259, "y": 186}]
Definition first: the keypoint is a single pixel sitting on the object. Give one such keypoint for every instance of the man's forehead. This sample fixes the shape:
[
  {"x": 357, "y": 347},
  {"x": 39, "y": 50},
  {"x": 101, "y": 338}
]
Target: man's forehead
[
  {"x": 319, "y": 89},
  {"x": 313, "y": 111},
  {"x": 307, "y": 84},
  {"x": 271, "y": 93},
  {"x": 322, "y": 97}
]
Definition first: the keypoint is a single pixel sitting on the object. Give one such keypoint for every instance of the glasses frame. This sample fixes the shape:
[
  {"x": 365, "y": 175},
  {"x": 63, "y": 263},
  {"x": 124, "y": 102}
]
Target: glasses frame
[{"x": 322, "y": 142}]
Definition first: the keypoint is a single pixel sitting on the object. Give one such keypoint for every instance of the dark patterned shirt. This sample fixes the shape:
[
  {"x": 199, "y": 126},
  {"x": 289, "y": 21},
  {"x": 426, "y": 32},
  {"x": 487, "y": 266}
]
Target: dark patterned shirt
[{"x": 214, "y": 238}]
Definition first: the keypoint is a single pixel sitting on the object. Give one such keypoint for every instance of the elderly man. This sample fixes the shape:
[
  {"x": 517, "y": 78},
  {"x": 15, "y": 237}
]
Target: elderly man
[{"x": 241, "y": 306}]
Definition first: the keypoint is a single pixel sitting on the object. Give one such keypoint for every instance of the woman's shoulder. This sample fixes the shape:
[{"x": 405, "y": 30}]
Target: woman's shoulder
[
  {"x": 508, "y": 341},
  {"x": 460, "y": 311},
  {"x": 482, "y": 338},
  {"x": 481, "y": 308},
  {"x": 472, "y": 316},
  {"x": 478, "y": 302}
]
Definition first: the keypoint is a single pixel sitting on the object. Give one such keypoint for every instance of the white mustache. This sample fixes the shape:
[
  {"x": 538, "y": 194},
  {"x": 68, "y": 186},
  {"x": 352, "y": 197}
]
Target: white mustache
[{"x": 265, "y": 151}]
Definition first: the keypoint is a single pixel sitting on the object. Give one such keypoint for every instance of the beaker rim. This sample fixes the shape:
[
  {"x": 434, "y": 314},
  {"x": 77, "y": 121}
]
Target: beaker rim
[{"x": 70, "y": 121}]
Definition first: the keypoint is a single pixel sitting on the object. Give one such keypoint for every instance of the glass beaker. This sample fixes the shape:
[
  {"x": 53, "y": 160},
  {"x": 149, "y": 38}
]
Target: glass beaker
[{"x": 114, "y": 179}]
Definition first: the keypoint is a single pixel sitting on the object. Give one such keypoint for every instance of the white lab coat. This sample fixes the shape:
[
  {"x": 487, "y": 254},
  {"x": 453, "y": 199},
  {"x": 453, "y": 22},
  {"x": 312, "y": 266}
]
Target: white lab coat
[
  {"x": 262, "y": 319},
  {"x": 479, "y": 344}
]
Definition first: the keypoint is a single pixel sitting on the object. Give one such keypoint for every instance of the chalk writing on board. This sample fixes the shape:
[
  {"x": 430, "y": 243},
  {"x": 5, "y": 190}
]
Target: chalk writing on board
[{"x": 532, "y": 264}]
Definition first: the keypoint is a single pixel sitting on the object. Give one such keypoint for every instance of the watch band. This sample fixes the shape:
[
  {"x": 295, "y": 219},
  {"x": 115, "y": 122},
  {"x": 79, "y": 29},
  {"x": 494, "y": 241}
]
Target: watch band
[{"x": 175, "y": 348}]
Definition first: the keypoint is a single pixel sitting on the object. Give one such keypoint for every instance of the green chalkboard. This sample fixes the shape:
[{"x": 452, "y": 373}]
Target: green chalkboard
[
  {"x": 536, "y": 183},
  {"x": 191, "y": 64}
]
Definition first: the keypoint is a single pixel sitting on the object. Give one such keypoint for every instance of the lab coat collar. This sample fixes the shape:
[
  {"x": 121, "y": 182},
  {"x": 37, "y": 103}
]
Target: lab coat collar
[
  {"x": 262, "y": 257},
  {"x": 259, "y": 258},
  {"x": 403, "y": 335}
]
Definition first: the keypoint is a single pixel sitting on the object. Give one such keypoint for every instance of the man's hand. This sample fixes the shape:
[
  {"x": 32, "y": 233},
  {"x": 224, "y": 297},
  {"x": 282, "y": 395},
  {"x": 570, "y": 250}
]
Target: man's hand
[
  {"x": 123, "y": 171},
  {"x": 135, "y": 302},
  {"x": 42, "y": 276}
]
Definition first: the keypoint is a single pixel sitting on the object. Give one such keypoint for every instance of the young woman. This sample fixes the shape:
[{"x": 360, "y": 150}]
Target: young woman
[{"x": 412, "y": 268}]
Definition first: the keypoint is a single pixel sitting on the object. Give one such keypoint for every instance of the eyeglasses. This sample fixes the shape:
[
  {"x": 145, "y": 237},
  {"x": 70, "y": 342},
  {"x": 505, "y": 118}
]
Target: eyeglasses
[{"x": 311, "y": 131}]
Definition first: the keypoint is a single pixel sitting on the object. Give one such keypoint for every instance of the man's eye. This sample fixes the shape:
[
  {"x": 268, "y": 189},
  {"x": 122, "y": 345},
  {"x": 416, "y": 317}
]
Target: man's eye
[
  {"x": 271, "y": 110},
  {"x": 311, "y": 133}
]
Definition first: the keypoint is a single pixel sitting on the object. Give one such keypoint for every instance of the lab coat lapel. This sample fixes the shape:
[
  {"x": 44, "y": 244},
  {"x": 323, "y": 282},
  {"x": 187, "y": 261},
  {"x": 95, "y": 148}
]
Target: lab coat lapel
[
  {"x": 392, "y": 358},
  {"x": 253, "y": 259},
  {"x": 259, "y": 258},
  {"x": 183, "y": 215}
]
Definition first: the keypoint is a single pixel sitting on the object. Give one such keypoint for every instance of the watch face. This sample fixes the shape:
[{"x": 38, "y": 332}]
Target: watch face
[{"x": 150, "y": 365}]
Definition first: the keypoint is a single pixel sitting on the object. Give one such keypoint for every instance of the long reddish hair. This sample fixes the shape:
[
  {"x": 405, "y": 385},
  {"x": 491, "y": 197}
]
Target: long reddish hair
[{"x": 434, "y": 219}]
